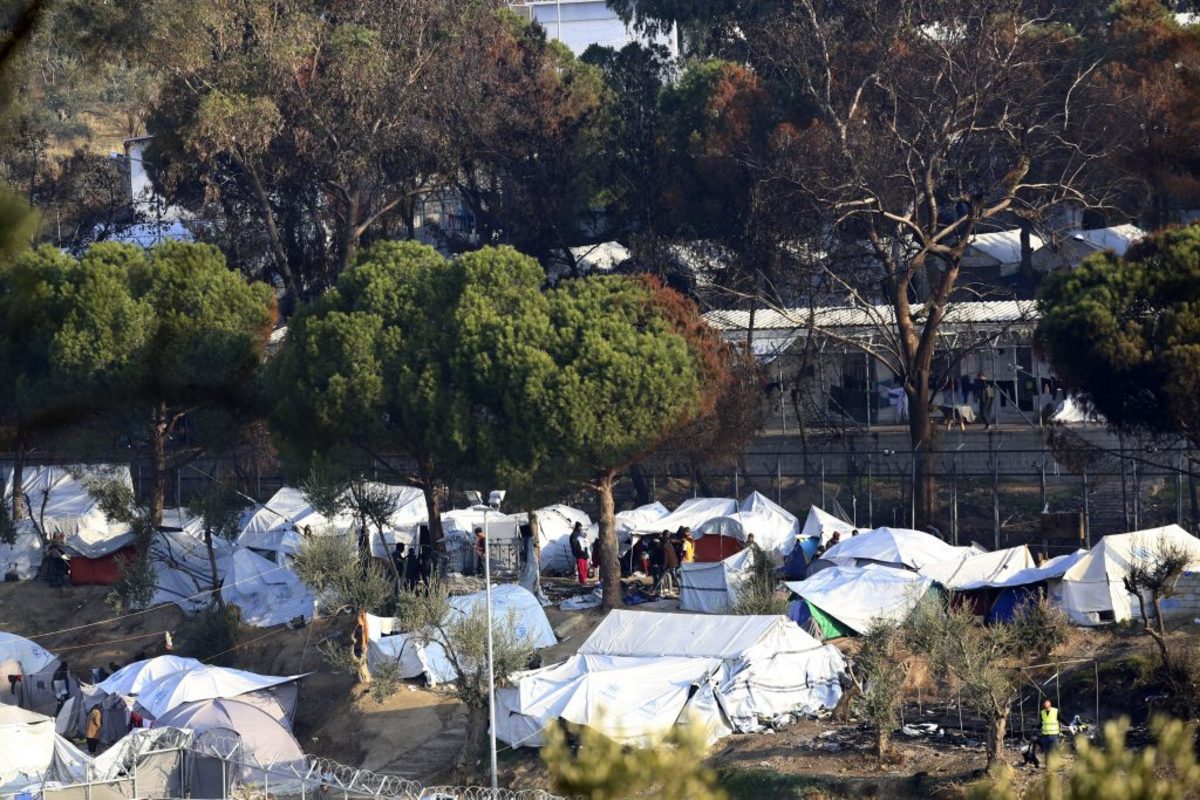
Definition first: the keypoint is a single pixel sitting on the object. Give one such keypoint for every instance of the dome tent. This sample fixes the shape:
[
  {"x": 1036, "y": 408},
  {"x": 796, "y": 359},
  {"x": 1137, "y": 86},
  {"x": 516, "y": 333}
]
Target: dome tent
[
  {"x": 896, "y": 547},
  {"x": 261, "y": 739},
  {"x": 132, "y": 678},
  {"x": 842, "y": 599},
  {"x": 32, "y": 753}
]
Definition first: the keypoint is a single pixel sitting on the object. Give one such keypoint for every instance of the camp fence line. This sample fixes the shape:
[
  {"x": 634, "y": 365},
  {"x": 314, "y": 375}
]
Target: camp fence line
[{"x": 316, "y": 777}]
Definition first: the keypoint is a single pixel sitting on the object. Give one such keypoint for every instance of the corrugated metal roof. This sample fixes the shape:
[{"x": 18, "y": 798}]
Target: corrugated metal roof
[{"x": 983, "y": 312}]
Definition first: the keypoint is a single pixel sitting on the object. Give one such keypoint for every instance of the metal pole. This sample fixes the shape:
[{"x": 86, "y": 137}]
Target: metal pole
[
  {"x": 954, "y": 499},
  {"x": 487, "y": 577},
  {"x": 870, "y": 493},
  {"x": 558, "y": 9},
  {"x": 995, "y": 493},
  {"x": 737, "y": 488},
  {"x": 1087, "y": 511},
  {"x": 1178, "y": 494},
  {"x": 778, "y": 482},
  {"x": 822, "y": 482},
  {"x": 1096, "y": 673}
]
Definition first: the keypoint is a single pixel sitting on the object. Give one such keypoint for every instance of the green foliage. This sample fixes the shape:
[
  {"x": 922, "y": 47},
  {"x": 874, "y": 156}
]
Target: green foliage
[
  {"x": 137, "y": 581},
  {"x": 879, "y": 669},
  {"x": 220, "y": 507},
  {"x": 211, "y": 635},
  {"x": 429, "y": 617},
  {"x": 603, "y": 769},
  {"x": 1126, "y": 332},
  {"x": 341, "y": 577},
  {"x": 759, "y": 592},
  {"x": 1112, "y": 771}
]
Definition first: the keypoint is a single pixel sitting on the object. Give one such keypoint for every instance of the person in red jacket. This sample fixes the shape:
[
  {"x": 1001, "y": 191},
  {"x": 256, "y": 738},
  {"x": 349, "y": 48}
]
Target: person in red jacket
[{"x": 582, "y": 551}]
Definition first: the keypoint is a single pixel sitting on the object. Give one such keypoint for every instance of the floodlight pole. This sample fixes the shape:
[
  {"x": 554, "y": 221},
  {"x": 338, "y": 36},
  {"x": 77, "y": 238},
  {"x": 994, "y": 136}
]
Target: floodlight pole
[{"x": 487, "y": 578}]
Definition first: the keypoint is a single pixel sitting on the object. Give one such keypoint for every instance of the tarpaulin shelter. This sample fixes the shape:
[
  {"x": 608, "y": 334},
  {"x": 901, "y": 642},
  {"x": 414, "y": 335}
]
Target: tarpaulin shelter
[
  {"x": 32, "y": 753},
  {"x": 426, "y": 655},
  {"x": 555, "y": 524},
  {"x": 23, "y": 557},
  {"x": 207, "y": 682},
  {"x": 132, "y": 678},
  {"x": 844, "y": 599},
  {"x": 979, "y": 570},
  {"x": 279, "y": 525},
  {"x": 634, "y": 522},
  {"x": 897, "y": 547},
  {"x": 769, "y": 665},
  {"x": 31, "y": 676},
  {"x": 179, "y": 558},
  {"x": 692, "y": 513},
  {"x": 1092, "y": 591},
  {"x": 59, "y": 502},
  {"x": 711, "y": 588},
  {"x": 820, "y": 524},
  {"x": 266, "y": 593}
]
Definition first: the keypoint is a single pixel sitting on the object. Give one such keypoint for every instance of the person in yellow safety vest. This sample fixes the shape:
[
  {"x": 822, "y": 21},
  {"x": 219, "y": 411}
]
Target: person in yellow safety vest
[{"x": 1048, "y": 735}]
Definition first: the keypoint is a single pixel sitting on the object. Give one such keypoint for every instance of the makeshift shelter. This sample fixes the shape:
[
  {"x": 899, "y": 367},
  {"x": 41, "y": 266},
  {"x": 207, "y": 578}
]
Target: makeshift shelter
[
  {"x": 278, "y": 525},
  {"x": 179, "y": 558},
  {"x": 774, "y": 530},
  {"x": 266, "y": 593},
  {"x": 633, "y": 523},
  {"x": 462, "y": 522},
  {"x": 1092, "y": 590},
  {"x": 711, "y": 588},
  {"x": 979, "y": 570},
  {"x": 843, "y": 600},
  {"x": 207, "y": 682},
  {"x": 411, "y": 512},
  {"x": 555, "y": 524},
  {"x": 768, "y": 665},
  {"x": 718, "y": 539},
  {"x": 32, "y": 753},
  {"x": 59, "y": 502},
  {"x": 692, "y": 513},
  {"x": 30, "y": 675},
  {"x": 21, "y": 559},
  {"x": 133, "y": 678},
  {"x": 416, "y": 657},
  {"x": 115, "y": 714},
  {"x": 262, "y": 740},
  {"x": 895, "y": 547},
  {"x": 822, "y": 525}
]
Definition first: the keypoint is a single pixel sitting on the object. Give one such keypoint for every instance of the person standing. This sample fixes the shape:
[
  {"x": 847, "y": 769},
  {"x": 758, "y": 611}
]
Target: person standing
[
  {"x": 668, "y": 576},
  {"x": 412, "y": 568},
  {"x": 689, "y": 547},
  {"x": 92, "y": 732},
  {"x": 987, "y": 401},
  {"x": 1049, "y": 733},
  {"x": 582, "y": 552},
  {"x": 398, "y": 561},
  {"x": 480, "y": 551}
]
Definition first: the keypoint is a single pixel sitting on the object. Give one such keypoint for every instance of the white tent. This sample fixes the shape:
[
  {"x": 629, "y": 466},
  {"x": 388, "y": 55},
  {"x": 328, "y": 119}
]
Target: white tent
[
  {"x": 774, "y": 527},
  {"x": 712, "y": 588},
  {"x": 132, "y": 678},
  {"x": 411, "y": 512},
  {"x": 23, "y": 557},
  {"x": 60, "y": 503},
  {"x": 1070, "y": 411},
  {"x": 555, "y": 524},
  {"x": 822, "y": 525},
  {"x": 1092, "y": 590},
  {"x": 981, "y": 569},
  {"x": 511, "y": 604},
  {"x": 899, "y": 546},
  {"x": 279, "y": 524},
  {"x": 857, "y": 596},
  {"x": 31, "y": 657},
  {"x": 632, "y": 700},
  {"x": 263, "y": 740},
  {"x": 769, "y": 665},
  {"x": 179, "y": 558},
  {"x": 204, "y": 682},
  {"x": 692, "y": 513},
  {"x": 462, "y": 522},
  {"x": 266, "y": 593},
  {"x": 31, "y": 753},
  {"x": 642, "y": 519}
]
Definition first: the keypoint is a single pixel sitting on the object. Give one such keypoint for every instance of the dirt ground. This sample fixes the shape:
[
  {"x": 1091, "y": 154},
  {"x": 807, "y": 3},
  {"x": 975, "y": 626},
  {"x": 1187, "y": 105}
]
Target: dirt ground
[{"x": 418, "y": 732}]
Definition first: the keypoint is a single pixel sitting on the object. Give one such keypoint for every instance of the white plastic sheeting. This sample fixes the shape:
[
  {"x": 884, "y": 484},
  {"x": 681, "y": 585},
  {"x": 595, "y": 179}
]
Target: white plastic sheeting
[
  {"x": 61, "y": 504},
  {"x": 179, "y": 558},
  {"x": 901, "y": 546},
  {"x": 857, "y": 596},
  {"x": 133, "y": 678},
  {"x": 411, "y": 512},
  {"x": 822, "y": 525},
  {"x": 1092, "y": 590},
  {"x": 1072, "y": 412},
  {"x": 32, "y": 753},
  {"x": 692, "y": 513},
  {"x": 279, "y": 524},
  {"x": 712, "y": 588},
  {"x": 773, "y": 526},
  {"x": 23, "y": 557},
  {"x": 462, "y": 522},
  {"x": 555, "y": 524},
  {"x": 31, "y": 656},
  {"x": 266, "y": 593},
  {"x": 204, "y": 682},
  {"x": 511, "y": 604},
  {"x": 642, "y": 519},
  {"x": 981, "y": 569}
]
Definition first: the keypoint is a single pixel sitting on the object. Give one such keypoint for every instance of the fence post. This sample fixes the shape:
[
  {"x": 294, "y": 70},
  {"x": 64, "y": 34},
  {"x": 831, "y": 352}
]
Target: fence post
[
  {"x": 135, "y": 786},
  {"x": 822, "y": 482},
  {"x": 995, "y": 493},
  {"x": 1179, "y": 493},
  {"x": 1087, "y": 510}
]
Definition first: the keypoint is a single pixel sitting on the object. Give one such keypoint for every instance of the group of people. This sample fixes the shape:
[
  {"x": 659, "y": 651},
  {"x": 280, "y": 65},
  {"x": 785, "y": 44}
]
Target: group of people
[
  {"x": 657, "y": 555},
  {"x": 411, "y": 568},
  {"x": 979, "y": 390}
]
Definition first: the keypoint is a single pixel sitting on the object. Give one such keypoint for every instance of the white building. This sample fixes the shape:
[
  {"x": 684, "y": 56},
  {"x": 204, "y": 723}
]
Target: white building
[{"x": 581, "y": 23}]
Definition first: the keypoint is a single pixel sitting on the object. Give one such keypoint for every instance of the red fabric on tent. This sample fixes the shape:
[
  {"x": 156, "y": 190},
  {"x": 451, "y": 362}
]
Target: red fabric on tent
[
  {"x": 715, "y": 547},
  {"x": 102, "y": 571}
]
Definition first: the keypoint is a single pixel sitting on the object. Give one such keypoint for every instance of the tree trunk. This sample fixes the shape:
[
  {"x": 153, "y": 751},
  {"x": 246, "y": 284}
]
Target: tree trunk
[
  {"x": 606, "y": 544},
  {"x": 641, "y": 486},
  {"x": 475, "y": 748},
  {"x": 364, "y": 671},
  {"x": 920, "y": 431},
  {"x": 883, "y": 741},
  {"x": 433, "y": 510},
  {"x": 997, "y": 727},
  {"x": 212, "y": 569},
  {"x": 19, "y": 509},
  {"x": 158, "y": 495}
]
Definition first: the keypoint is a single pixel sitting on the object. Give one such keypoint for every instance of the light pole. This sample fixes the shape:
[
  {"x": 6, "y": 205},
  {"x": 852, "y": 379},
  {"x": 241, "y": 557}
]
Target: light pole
[{"x": 493, "y": 505}]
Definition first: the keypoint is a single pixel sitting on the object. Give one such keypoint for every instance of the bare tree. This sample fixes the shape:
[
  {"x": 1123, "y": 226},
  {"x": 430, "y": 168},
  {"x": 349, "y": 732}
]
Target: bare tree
[
  {"x": 1154, "y": 575},
  {"x": 925, "y": 123}
]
